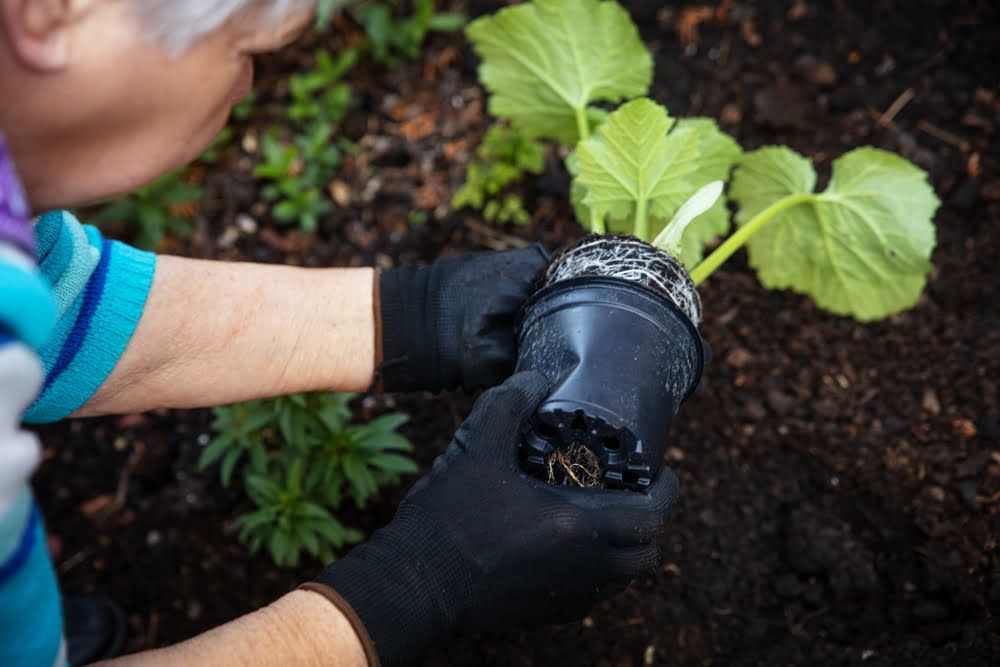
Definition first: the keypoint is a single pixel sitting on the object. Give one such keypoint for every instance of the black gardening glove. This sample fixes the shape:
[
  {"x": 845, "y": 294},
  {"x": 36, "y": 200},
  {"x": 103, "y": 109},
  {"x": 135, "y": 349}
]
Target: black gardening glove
[
  {"x": 478, "y": 545},
  {"x": 451, "y": 324}
]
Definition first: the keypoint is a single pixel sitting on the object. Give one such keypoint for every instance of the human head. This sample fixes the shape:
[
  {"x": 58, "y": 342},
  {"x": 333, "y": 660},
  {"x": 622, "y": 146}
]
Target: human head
[{"x": 98, "y": 97}]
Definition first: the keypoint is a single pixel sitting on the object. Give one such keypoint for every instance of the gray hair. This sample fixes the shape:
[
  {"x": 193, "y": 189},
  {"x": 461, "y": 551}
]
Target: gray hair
[{"x": 177, "y": 24}]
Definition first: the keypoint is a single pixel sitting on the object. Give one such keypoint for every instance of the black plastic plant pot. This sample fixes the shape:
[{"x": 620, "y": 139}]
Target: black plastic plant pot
[{"x": 615, "y": 329}]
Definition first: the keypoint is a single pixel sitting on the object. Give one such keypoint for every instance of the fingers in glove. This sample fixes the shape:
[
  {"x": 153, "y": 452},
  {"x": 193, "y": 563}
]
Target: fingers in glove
[
  {"x": 492, "y": 430},
  {"x": 631, "y": 562},
  {"x": 626, "y": 518}
]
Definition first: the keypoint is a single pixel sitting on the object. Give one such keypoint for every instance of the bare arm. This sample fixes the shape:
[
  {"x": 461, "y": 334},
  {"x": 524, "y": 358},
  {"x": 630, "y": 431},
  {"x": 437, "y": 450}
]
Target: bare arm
[
  {"x": 300, "y": 629},
  {"x": 221, "y": 332}
]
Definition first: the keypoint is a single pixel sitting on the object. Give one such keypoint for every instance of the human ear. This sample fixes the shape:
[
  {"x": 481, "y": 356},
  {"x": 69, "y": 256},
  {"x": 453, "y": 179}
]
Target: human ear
[{"x": 39, "y": 31}]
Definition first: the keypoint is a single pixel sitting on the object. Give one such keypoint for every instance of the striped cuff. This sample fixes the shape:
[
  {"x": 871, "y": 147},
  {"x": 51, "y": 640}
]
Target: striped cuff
[
  {"x": 100, "y": 288},
  {"x": 112, "y": 304}
]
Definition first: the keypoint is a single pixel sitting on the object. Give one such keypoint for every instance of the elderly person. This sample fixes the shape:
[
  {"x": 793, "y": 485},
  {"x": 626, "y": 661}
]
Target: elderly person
[{"x": 98, "y": 97}]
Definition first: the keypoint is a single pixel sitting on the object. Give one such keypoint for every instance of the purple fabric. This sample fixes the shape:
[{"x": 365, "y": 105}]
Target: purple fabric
[{"x": 15, "y": 218}]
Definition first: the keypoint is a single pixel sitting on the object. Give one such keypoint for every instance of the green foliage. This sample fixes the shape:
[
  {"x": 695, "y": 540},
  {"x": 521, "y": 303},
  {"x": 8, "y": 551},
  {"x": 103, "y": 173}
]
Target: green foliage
[
  {"x": 152, "y": 210},
  {"x": 634, "y": 174},
  {"x": 297, "y": 173},
  {"x": 320, "y": 96},
  {"x": 635, "y": 167},
  {"x": 300, "y": 458},
  {"x": 503, "y": 157},
  {"x": 392, "y": 34},
  {"x": 546, "y": 62},
  {"x": 861, "y": 247},
  {"x": 717, "y": 154}
]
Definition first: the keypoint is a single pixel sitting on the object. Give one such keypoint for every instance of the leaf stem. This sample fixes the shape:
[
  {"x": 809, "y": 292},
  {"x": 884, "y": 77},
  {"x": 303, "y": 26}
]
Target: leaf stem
[
  {"x": 582, "y": 126},
  {"x": 641, "y": 227},
  {"x": 597, "y": 224},
  {"x": 743, "y": 234}
]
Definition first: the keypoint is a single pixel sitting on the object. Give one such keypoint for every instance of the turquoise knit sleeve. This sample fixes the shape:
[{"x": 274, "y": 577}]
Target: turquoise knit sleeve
[{"x": 100, "y": 287}]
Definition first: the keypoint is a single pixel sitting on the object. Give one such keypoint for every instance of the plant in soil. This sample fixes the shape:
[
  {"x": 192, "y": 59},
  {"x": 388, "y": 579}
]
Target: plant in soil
[
  {"x": 160, "y": 208},
  {"x": 393, "y": 33},
  {"x": 861, "y": 247},
  {"x": 300, "y": 457},
  {"x": 297, "y": 172},
  {"x": 503, "y": 157},
  {"x": 555, "y": 69}
]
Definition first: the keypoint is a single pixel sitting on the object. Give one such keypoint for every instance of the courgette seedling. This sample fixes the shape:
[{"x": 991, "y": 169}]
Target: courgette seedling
[{"x": 861, "y": 247}]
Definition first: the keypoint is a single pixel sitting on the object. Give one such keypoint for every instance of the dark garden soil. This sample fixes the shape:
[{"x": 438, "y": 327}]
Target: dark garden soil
[{"x": 840, "y": 482}]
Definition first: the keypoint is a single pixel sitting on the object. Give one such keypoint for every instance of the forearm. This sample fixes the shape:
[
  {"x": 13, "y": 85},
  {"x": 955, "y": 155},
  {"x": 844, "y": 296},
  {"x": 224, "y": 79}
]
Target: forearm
[
  {"x": 301, "y": 628},
  {"x": 215, "y": 332}
]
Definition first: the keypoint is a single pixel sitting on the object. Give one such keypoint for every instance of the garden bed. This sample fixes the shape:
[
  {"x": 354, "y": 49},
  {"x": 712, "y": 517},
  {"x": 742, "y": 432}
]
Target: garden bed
[{"x": 840, "y": 483}]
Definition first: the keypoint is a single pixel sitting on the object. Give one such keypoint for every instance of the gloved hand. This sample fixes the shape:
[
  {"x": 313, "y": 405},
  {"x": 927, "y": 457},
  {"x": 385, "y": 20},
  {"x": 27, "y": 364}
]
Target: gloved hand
[
  {"x": 451, "y": 324},
  {"x": 478, "y": 545}
]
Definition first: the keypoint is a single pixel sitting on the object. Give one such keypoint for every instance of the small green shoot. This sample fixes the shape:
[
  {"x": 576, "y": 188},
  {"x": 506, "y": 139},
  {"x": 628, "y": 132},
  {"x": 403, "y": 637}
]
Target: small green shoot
[{"x": 670, "y": 239}]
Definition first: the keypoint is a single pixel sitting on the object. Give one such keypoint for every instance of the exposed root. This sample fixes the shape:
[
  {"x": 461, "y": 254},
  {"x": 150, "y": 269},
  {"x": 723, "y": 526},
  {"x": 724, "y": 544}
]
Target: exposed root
[
  {"x": 575, "y": 466},
  {"x": 630, "y": 259}
]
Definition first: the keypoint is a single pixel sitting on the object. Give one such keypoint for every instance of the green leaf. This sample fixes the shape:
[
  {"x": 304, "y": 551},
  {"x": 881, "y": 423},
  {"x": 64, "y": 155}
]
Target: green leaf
[
  {"x": 228, "y": 464},
  {"x": 278, "y": 546},
  {"x": 717, "y": 154},
  {"x": 389, "y": 422},
  {"x": 635, "y": 168},
  {"x": 862, "y": 247},
  {"x": 261, "y": 489},
  {"x": 309, "y": 540},
  {"x": 333, "y": 531},
  {"x": 295, "y": 477},
  {"x": 546, "y": 61},
  {"x": 446, "y": 22},
  {"x": 215, "y": 449},
  {"x": 394, "y": 463},
  {"x": 669, "y": 240},
  {"x": 253, "y": 521}
]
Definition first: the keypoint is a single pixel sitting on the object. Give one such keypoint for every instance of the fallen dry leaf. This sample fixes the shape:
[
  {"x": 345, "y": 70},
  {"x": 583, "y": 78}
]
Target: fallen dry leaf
[
  {"x": 749, "y": 32},
  {"x": 95, "y": 505},
  {"x": 420, "y": 127},
  {"x": 690, "y": 19}
]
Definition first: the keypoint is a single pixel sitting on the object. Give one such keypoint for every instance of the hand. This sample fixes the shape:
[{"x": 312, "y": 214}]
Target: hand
[
  {"x": 451, "y": 324},
  {"x": 478, "y": 545}
]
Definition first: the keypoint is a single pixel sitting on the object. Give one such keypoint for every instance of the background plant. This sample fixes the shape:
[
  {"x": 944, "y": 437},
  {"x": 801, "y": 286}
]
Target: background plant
[
  {"x": 393, "y": 32},
  {"x": 859, "y": 248},
  {"x": 299, "y": 458},
  {"x": 162, "y": 207},
  {"x": 296, "y": 172},
  {"x": 503, "y": 157}
]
